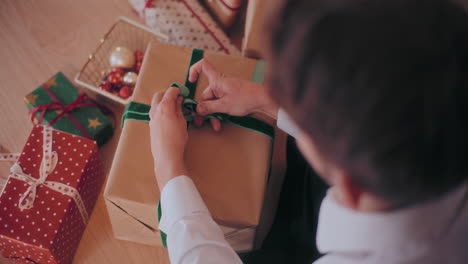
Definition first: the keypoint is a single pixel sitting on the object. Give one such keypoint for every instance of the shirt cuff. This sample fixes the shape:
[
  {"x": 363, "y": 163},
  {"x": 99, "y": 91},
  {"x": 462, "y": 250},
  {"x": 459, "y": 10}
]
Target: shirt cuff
[
  {"x": 285, "y": 123},
  {"x": 179, "y": 199}
]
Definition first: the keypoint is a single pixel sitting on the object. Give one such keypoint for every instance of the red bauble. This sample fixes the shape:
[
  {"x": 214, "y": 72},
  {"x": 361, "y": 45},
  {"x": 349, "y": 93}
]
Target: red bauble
[
  {"x": 105, "y": 86},
  {"x": 125, "y": 92},
  {"x": 138, "y": 67},
  {"x": 115, "y": 78},
  {"x": 118, "y": 70},
  {"x": 138, "y": 56}
]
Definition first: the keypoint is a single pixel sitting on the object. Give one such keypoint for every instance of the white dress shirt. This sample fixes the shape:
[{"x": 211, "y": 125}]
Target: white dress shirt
[{"x": 433, "y": 232}]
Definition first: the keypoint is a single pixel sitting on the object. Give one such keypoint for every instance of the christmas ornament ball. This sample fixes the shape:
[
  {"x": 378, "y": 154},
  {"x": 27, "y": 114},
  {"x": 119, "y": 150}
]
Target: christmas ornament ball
[
  {"x": 122, "y": 57},
  {"x": 115, "y": 78},
  {"x": 106, "y": 86},
  {"x": 130, "y": 78},
  {"x": 139, "y": 56},
  {"x": 125, "y": 92},
  {"x": 118, "y": 70},
  {"x": 138, "y": 67}
]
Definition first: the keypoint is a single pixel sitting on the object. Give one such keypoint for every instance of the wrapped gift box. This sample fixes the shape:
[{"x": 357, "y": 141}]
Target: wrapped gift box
[
  {"x": 58, "y": 94},
  {"x": 230, "y": 168},
  {"x": 254, "y": 42},
  {"x": 186, "y": 23},
  {"x": 48, "y": 197}
]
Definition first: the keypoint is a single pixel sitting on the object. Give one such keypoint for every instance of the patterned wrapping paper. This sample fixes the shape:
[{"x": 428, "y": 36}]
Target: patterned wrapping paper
[
  {"x": 90, "y": 118},
  {"x": 186, "y": 23},
  {"x": 46, "y": 226}
]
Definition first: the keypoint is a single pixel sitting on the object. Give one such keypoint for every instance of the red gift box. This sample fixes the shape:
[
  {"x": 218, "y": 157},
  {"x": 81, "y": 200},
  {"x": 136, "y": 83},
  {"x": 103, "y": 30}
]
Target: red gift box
[{"x": 48, "y": 197}]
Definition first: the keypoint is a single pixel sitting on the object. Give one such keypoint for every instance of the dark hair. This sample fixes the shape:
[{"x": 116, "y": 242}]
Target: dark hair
[{"x": 381, "y": 88}]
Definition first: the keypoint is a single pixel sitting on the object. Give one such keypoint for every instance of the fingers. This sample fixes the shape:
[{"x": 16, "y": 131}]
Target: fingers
[
  {"x": 211, "y": 106},
  {"x": 170, "y": 98},
  {"x": 203, "y": 66},
  {"x": 207, "y": 94},
  {"x": 180, "y": 100},
  {"x": 155, "y": 101},
  {"x": 198, "y": 121},
  {"x": 157, "y": 97},
  {"x": 215, "y": 124}
]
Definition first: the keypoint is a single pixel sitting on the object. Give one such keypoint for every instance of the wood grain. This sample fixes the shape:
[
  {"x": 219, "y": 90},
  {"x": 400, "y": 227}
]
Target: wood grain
[{"x": 38, "y": 39}]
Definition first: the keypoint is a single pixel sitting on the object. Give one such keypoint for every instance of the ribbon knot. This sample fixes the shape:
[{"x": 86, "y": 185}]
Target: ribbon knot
[
  {"x": 47, "y": 165},
  {"x": 40, "y": 181},
  {"x": 63, "y": 110}
]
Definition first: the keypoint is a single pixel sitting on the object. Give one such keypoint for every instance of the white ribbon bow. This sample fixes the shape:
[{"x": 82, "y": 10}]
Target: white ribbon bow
[{"x": 49, "y": 161}]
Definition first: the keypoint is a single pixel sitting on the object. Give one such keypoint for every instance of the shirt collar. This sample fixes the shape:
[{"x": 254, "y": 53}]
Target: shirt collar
[{"x": 405, "y": 232}]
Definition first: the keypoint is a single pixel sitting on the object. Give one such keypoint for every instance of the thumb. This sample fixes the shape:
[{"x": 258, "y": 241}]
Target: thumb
[{"x": 211, "y": 106}]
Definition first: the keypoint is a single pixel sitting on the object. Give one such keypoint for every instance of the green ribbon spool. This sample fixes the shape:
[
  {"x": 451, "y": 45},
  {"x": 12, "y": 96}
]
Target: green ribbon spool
[{"x": 140, "y": 112}]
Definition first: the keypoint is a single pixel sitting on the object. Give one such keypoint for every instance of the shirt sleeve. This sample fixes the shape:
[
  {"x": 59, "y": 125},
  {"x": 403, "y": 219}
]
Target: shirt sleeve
[
  {"x": 286, "y": 124},
  {"x": 192, "y": 234}
]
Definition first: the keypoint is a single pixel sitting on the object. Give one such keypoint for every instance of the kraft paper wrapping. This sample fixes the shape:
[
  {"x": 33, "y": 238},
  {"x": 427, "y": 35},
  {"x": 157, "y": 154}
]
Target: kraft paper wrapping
[
  {"x": 230, "y": 168},
  {"x": 254, "y": 44}
]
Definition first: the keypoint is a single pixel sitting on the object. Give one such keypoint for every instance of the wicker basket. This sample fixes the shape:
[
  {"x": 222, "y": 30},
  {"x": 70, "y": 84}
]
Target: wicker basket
[{"x": 124, "y": 33}]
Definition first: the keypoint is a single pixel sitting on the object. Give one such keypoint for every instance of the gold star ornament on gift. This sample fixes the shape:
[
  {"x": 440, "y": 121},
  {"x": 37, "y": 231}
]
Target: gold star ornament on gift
[
  {"x": 94, "y": 123},
  {"x": 51, "y": 82},
  {"x": 31, "y": 99}
]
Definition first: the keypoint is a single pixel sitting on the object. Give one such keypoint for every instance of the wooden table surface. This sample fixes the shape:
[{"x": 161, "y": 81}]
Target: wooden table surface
[{"x": 38, "y": 39}]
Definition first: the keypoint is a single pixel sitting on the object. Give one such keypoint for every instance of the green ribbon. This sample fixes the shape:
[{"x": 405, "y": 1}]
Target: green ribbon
[
  {"x": 246, "y": 122},
  {"x": 140, "y": 112},
  {"x": 163, "y": 235}
]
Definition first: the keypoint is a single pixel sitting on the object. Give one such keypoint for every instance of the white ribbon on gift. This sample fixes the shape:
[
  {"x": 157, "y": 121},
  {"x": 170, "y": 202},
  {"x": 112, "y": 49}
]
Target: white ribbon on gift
[{"x": 48, "y": 164}]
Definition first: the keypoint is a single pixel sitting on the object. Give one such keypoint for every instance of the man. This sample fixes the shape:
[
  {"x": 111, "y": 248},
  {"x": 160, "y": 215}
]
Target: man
[{"x": 375, "y": 94}]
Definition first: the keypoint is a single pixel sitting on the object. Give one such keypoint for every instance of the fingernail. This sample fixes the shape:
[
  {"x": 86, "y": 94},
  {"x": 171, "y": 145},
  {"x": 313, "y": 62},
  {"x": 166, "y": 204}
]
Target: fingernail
[{"x": 198, "y": 120}]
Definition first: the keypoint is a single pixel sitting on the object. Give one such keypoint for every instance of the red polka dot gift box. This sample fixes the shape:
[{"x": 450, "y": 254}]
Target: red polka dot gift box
[{"x": 49, "y": 196}]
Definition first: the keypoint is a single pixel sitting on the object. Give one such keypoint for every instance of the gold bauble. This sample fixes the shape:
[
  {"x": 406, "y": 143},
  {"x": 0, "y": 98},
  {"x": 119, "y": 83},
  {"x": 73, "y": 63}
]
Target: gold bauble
[{"x": 122, "y": 57}]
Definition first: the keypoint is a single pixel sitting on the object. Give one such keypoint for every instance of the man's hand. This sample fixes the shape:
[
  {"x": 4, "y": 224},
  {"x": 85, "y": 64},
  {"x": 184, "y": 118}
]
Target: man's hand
[
  {"x": 168, "y": 130},
  {"x": 230, "y": 95}
]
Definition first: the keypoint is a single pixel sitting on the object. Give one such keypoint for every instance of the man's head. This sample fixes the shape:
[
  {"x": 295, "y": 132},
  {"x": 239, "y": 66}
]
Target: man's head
[{"x": 379, "y": 89}]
